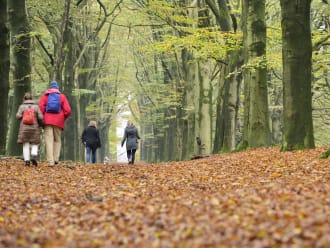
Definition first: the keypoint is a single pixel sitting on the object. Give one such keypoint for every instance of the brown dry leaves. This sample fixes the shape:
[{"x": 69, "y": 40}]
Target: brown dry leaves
[{"x": 256, "y": 198}]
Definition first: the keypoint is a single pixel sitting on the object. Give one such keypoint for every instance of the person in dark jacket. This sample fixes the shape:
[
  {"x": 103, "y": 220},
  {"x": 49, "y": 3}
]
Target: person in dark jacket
[
  {"x": 29, "y": 134},
  {"x": 91, "y": 140},
  {"x": 131, "y": 136}
]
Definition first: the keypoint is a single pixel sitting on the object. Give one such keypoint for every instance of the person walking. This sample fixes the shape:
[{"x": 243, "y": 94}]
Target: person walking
[
  {"x": 91, "y": 139},
  {"x": 29, "y": 130},
  {"x": 131, "y": 136},
  {"x": 56, "y": 109}
]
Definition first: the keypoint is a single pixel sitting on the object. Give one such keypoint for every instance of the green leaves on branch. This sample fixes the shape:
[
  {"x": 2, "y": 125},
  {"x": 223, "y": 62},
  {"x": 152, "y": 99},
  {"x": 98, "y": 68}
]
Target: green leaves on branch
[
  {"x": 80, "y": 92},
  {"x": 256, "y": 63},
  {"x": 203, "y": 43},
  {"x": 166, "y": 12}
]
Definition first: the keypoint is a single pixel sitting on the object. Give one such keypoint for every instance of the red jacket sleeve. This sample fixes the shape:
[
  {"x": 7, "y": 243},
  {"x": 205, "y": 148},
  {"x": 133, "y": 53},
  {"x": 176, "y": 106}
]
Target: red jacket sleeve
[{"x": 43, "y": 103}]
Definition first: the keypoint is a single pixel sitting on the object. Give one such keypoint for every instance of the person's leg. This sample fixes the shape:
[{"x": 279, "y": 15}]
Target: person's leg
[
  {"x": 34, "y": 154},
  {"x": 26, "y": 153},
  {"x": 88, "y": 154},
  {"x": 57, "y": 143},
  {"x": 49, "y": 143},
  {"x": 93, "y": 155},
  {"x": 129, "y": 153},
  {"x": 133, "y": 155}
]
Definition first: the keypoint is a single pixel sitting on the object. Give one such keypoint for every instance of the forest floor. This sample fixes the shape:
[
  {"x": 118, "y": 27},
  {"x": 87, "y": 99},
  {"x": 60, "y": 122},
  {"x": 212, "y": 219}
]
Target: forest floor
[{"x": 255, "y": 198}]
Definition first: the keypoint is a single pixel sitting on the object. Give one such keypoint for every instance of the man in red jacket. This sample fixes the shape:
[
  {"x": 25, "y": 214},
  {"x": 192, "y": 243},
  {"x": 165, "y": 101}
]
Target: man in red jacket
[{"x": 54, "y": 122}]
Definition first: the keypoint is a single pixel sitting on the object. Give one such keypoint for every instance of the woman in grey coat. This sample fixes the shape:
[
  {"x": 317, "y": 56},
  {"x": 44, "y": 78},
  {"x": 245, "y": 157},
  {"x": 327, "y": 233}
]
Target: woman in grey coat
[
  {"x": 131, "y": 136},
  {"x": 29, "y": 134}
]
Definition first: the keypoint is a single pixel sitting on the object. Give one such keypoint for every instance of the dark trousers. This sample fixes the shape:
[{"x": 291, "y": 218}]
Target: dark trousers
[
  {"x": 90, "y": 152},
  {"x": 131, "y": 155}
]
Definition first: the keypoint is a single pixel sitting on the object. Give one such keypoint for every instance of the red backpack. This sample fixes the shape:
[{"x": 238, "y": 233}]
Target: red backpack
[{"x": 28, "y": 116}]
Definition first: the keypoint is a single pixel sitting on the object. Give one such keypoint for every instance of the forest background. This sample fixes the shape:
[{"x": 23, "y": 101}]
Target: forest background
[{"x": 197, "y": 77}]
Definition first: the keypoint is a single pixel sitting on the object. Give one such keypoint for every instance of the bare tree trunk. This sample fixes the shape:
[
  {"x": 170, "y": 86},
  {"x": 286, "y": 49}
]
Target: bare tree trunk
[
  {"x": 297, "y": 95},
  {"x": 256, "y": 117},
  {"x": 21, "y": 43},
  {"x": 71, "y": 138},
  {"x": 189, "y": 135},
  {"x": 231, "y": 102},
  {"x": 4, "y": 75},
  {"x": 59, "y": 58},
  {"x": 205, "y": 106}
]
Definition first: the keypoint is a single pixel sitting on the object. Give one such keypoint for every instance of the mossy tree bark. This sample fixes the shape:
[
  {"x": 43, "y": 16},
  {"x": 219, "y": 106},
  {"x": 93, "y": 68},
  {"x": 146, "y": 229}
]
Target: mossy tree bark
[
  {"x": 4, "y": 74},
  {"x": 205, "y": 106},
  {"x": 296, "y": 55},
  {"x": 256, "y": 117},
  {"x": 228, "y": 87},
  {"x": 70, "y": 134},
  {"x": 20, "y": 62},
  {"x": 203, "y": 96},
  {"x": 189, "y": 135}
]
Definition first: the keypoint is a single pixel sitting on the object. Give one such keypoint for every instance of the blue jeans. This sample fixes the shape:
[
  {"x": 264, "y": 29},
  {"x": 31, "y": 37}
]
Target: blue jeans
[
  {"x": 131, "y": 155},
  {"x": 90, "y": 151}
]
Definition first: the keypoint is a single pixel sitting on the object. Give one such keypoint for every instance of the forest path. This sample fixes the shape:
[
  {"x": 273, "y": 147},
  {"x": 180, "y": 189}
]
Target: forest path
[{"x": 254, "y": 198}]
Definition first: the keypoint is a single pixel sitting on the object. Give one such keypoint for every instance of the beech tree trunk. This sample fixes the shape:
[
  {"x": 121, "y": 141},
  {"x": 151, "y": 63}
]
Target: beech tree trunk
[
  {"x": 20, "y": 43},
  {"x": 296, "y": 55},
  {"x": 256, "y": 116},
  {"x": 189, "y": 135},
  {"x": 71, "y": 138},
  {"x": 205, "y": 106},
  {"x": 4, "y": 75},
  {"x": 203, "y": 91},
  {"x": 228, "y": 88}
]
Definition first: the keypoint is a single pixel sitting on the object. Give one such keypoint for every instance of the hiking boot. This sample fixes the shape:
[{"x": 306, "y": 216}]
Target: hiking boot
[
  {"x": 34, "y": 160},
  {"x": 27, "y": 163}
]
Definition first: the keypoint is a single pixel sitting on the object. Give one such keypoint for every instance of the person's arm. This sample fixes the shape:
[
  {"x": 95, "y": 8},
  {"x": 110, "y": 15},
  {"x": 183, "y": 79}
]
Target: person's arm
[
  {"x": 83, "y": 139},
  {"x": 98, "y": 138},
  {"x": 124, "y": 138},
  {"x": 137, "y": 134},
  {"x": 40, "y": 117},
  {"x": 42, "y": 103},
  {"x": 19, "y": 113}
]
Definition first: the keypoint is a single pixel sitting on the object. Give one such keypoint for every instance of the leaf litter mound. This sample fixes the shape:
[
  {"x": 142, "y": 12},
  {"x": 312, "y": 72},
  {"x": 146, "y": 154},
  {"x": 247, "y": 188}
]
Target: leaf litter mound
[{"x": 255, "y": 198}]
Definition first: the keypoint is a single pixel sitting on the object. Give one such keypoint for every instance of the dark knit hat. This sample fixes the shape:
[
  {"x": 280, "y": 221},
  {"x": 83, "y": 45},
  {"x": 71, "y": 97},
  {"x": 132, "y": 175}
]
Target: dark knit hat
[{"x": 54, "y": 85}]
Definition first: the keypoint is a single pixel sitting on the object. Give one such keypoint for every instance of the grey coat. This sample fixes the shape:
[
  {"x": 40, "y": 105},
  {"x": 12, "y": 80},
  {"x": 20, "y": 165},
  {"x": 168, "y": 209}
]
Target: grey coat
[
  {"x": 131, "y": 136},
  {"x": 29, "y": 133}
]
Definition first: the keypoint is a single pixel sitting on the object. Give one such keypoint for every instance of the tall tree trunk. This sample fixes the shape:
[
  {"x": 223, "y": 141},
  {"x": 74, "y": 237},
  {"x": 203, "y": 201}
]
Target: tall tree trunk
[
  {"x": 189, "y": 135},
  {"x": 276, "y": 117},
  {"x": 4, "y": 74},
  {"x": 228, "y": 89},
  {"x": 257, "y": 130},
  {"x": 71, "y": 139},
  {"x": 104, "y": 151},
  {"x": 230, "y": 104},
  {"x": 296, "y": 54},
  {"x": 70, "y": 133},
  {"x": 205, "y": 106},
  {"x": 203, "y": 90},
  {"x": 220, "y": 111},
  {"x": 59, "y": 58},
  {"x": 21, "y": 43}
]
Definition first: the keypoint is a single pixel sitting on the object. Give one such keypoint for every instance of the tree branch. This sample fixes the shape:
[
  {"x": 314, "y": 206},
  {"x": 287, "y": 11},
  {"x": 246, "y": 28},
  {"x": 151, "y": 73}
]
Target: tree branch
[
  {"x": 50, "y": 56},
  {"x": 320, "y": 43}
]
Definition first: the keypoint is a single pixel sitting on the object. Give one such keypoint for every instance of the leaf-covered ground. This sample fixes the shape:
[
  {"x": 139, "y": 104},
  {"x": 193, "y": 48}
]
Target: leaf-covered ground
[{"x": 256, "y": 198}]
